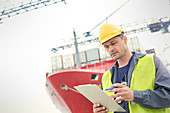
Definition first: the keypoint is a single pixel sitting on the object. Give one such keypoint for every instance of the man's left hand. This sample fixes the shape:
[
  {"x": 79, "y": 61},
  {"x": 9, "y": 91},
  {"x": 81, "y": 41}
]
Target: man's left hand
[{"x": 123, "y": 92}]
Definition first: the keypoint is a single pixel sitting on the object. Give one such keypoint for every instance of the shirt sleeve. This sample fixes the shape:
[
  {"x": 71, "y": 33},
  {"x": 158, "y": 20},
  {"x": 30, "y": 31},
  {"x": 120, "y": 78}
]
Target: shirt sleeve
[{"x": 160, "y": 98}]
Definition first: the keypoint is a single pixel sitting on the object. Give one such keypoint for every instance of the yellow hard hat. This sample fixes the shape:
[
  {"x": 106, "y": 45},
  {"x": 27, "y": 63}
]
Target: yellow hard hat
[{"x": 108, "y": 31}]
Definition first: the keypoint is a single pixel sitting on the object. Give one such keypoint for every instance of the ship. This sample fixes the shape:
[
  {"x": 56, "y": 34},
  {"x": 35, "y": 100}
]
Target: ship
[
  {"x": 60, "y": 86},
  {"x": 66, "y": 73}
]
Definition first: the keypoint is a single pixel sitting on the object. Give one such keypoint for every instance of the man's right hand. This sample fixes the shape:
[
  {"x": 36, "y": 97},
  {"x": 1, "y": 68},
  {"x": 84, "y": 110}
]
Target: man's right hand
[{"x": 98, "y": 108}]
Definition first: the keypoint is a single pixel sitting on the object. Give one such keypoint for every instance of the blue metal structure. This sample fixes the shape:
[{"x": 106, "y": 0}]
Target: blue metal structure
[
  {"x": 22, "y": 8},
  {"x": 160, "y": 26},
  {"x": 154, "y": 25}
]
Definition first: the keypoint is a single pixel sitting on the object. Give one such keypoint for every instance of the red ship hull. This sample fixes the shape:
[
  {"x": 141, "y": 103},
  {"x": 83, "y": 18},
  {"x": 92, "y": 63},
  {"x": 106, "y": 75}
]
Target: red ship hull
[{"x": 70, "y": 101}]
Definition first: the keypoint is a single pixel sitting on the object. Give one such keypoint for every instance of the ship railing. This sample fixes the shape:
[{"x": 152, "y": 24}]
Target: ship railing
[{"x": 93, "y": 65}]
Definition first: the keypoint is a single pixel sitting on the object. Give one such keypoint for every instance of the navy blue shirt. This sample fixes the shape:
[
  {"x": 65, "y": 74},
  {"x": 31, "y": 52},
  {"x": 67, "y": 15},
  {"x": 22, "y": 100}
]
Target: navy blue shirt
[
  {"x": 122, "y": 77},
  {"x": 123, "y": 72}
]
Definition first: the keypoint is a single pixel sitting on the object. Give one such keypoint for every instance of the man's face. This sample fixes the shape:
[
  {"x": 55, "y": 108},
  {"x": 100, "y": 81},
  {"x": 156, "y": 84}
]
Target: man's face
[{"x": 116, "y": 47}]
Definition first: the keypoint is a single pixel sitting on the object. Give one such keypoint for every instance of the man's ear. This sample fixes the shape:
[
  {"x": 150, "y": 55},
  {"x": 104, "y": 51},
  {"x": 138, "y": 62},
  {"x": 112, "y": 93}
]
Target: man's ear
[{"x": 125, "y": 39}]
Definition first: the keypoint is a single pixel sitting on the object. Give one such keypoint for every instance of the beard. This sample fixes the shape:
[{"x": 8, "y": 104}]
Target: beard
[
  {"x": 118, "y": 55},
  {"x": 113, "y": 54}
]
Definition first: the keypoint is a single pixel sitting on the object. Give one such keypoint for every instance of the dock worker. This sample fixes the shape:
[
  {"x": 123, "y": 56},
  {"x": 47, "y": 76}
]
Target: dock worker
[{"x": 146, "y": 87}]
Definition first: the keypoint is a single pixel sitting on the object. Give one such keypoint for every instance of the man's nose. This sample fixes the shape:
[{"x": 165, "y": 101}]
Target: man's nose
[{"x": 110, "y": 49}]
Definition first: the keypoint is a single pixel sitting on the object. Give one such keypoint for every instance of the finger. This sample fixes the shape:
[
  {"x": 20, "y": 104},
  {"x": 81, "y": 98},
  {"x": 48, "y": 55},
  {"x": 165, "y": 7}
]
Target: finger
[
  {"x": 118, "y": 90},
  {"x": 96, "y": 105},
  {"x": 119, "y": 99},
  {"x": 104, "y": 111},
  {"x": 117, "y": 85},
  {"x": 117, "y": 95},
  {"x": 100, "y": 110}
]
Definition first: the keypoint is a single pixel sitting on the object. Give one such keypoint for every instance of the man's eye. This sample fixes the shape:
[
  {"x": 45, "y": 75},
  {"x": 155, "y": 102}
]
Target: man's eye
[
  {"x": 106, "y": 46},
  {"x": 113, "y": 43}
]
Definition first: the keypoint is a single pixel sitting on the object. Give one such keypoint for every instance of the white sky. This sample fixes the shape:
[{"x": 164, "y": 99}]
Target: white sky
[{"x": 26, "y": 40}]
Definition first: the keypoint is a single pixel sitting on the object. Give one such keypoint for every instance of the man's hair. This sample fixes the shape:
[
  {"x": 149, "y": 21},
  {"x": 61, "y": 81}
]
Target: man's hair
[{"x": 121, "y": 35}]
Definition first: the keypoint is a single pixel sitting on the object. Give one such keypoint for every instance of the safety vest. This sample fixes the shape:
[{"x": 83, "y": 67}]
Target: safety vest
[{"x": 142, "y": 79}]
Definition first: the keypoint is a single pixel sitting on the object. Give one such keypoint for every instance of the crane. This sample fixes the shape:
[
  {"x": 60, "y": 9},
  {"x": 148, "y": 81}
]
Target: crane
[
  {"x": 152, "y": 24},
  {"x": 22, "y": 8}
]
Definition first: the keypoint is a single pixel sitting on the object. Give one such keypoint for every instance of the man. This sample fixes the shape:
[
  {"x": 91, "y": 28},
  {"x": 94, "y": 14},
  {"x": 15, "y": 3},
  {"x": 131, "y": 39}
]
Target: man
[{"x": 141, "y": 81}]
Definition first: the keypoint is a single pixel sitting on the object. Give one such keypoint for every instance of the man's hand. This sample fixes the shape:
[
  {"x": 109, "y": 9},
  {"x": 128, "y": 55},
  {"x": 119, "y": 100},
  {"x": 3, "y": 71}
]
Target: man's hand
[
  {"x": 97, "y": 108},
  {"x": 124, "y": 92}
]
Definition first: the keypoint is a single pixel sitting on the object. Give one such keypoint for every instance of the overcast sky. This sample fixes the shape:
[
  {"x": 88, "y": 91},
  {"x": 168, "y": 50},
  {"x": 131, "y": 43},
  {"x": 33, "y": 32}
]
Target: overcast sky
[{"x": 26, "y": 40}]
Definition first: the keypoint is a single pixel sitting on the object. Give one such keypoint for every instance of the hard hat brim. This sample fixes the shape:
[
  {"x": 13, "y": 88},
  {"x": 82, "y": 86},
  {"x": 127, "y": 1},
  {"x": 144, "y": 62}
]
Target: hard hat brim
[{"x": 111, "y": 36}]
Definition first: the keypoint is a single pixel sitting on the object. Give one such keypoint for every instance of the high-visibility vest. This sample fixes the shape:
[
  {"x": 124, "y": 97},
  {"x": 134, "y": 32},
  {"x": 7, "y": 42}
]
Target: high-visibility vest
[{"x": 142, "y": 79}]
